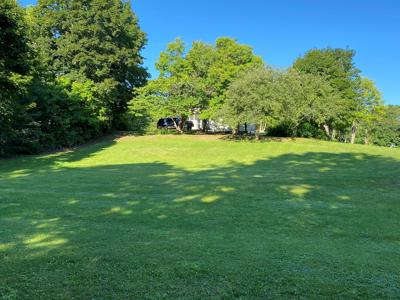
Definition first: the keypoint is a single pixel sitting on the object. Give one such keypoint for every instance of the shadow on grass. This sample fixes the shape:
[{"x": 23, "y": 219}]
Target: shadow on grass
[
  {"x": 309, "y": 224},
  {"x": 24, "y": 164}
]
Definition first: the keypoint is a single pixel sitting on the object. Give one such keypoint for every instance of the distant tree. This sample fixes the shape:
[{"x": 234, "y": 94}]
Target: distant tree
[
  {"x": 194, "y": 81},
  {"x": 263, "y": 96},
  {"x": 95, "y": 40},
  {"x": 338, "y": 67},
  {"x": 306, "y": 98},
  {"x": 231, "y": 60},
  {"x": 177, "y": 91},
  {"x": 386, "y": 132},
  {"x": 252, "y": 98},
  {"x": 368, "y": 109}
]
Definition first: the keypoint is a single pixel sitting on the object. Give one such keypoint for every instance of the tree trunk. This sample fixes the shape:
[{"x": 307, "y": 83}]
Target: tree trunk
[
  {"x": 177, "y": 126},
  {"x": 294, "y": 131},
  {"x": 182, "y": 124},
  {"x": 333, "y": 134},
  {"x": 353, "y": 132},
  {"x": 327, "y": 131},
  {"x": 235, "y": 130},
  {"x": 257, "y": 132},
  {"x": 263, "y": 127},
  {"x": 205, "y": 125}
]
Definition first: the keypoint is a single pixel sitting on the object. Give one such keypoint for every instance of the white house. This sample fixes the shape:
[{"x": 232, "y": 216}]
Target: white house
[{"x": 214, "y": 126}]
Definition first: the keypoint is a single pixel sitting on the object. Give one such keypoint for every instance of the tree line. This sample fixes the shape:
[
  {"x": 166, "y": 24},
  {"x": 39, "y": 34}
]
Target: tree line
[
  {"x": 322, "y": 95},
  {"x": 71, "y": 70},
  {"x": 67, "y": 71}
]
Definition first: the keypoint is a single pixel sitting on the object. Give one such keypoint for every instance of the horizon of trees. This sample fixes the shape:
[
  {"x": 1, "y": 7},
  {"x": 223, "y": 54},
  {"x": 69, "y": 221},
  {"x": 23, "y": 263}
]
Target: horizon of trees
[
  {"x": 71, "y": 70},
  {"x": 322, "y": 95}
]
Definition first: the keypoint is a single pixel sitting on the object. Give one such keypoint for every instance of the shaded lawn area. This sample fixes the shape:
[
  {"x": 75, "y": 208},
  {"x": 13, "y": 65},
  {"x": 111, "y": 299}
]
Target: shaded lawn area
[{"x": 164, "y": 217}]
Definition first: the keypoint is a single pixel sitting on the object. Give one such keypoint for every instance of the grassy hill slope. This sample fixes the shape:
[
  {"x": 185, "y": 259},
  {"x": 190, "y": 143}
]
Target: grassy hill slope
[{"x": 165, "y": 217}]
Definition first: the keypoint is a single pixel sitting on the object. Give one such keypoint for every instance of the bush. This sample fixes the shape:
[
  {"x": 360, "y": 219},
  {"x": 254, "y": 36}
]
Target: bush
[
  {"x": 310, "y": 130},
  {"x": 65, "y": 118}
]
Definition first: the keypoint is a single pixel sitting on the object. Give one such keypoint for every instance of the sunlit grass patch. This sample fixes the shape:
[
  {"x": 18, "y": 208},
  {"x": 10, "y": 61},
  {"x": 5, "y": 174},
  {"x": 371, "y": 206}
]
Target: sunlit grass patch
[{"x": 186, "y": 217}]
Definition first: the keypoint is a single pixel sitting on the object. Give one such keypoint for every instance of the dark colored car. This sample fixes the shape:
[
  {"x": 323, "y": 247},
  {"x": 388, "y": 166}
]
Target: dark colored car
[{"x": 169, "y": 123}]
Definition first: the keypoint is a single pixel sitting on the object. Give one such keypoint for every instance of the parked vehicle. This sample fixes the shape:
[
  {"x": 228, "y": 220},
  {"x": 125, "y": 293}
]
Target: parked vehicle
[{"x": 169, "y": 123}]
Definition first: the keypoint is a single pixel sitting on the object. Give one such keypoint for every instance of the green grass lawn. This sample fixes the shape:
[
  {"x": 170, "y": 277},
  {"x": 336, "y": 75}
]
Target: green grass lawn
[{"x": 167, "y": 217}]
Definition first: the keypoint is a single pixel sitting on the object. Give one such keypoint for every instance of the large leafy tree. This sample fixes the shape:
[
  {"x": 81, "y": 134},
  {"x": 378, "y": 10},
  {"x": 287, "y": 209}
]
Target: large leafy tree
[
  {"x": 306, "y": 98},
  {"x": 369, "y": 108},
  {"x": 178, "y": 91},
  {"x": 15, "y": 71},
  {"x": 338, "y": 68},
  {"x": 96, "y": 40},
  {"x": 231, "y": 60},
  {"x": 195, "y": 80},
  {"x": 264, "y": 97},
  {"x": 253, "y": 98}
]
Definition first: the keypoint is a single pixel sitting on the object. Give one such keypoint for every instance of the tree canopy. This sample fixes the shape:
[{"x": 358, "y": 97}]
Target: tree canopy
[
  {"x": 194, "y": 80},
  {"x": 15, "y": 75},
  {"x": 321, "y": 95},
  {"x": 253, "y": 98},
  {"x": 67, "y": 71},
  {"x": 338, "y": 68},
  {"x": 96, "y": 40}
]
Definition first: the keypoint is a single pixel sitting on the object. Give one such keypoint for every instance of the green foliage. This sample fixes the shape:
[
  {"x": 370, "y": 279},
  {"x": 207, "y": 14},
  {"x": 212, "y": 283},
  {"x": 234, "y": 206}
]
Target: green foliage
[
  {"x": 309, "y": 129},
  {"x": 306, "y": 98},
  {"x": 14, "y": 49},
  {"x": 171, "y": 61},
  {"x": 322, "y": 95},
  {"x": 67, "y": 71},
  {"x": 386, "y": 132},
  {"x": 15, "y": 69},
  {"x": 63, "y": 119},
  {"x": 98, "y": 40},
  {"x": 253, "y": 98},
  {"x": 196, "y": 80},
  {"x": 338, "y": 68},
  {"x": 336, "y": 65},
  {"x": 174, "y": 93},
  {"x": 268, "y": 98},
  {"x": 369, "y": 108},
  {"x": 231, "y": 60}
]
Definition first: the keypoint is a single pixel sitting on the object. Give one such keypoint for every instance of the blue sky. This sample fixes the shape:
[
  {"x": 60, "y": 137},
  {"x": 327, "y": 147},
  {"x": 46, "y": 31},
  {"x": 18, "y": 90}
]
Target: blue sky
[{"x": 282, "y": 30}]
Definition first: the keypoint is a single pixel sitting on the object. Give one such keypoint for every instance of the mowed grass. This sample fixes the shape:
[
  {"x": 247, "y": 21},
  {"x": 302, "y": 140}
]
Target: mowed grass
[{"x": 187, "y": 217}]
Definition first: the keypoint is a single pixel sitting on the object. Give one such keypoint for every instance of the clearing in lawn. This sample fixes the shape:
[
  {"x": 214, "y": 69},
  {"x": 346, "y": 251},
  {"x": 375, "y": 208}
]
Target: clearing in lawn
[{"x": 199, "y": 217}]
